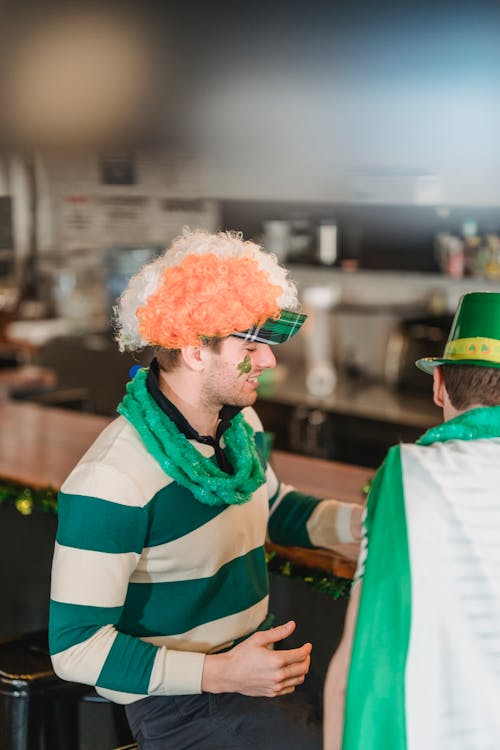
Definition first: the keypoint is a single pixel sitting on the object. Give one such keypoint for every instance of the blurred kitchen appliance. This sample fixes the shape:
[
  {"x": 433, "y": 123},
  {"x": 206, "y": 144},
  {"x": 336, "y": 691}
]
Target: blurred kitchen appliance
[
  {"x": 417, "y": 337},
  {"x": 361, "y": 333},
  {"x": 78, "y": 291},
  {"x": 321, "y": 376},
  {"x": 311, "y": 432}
]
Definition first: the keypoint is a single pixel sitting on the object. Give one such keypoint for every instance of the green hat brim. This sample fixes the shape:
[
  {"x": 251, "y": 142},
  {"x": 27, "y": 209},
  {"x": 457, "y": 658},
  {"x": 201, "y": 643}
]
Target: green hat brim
[{"x": 427, "y": 364}]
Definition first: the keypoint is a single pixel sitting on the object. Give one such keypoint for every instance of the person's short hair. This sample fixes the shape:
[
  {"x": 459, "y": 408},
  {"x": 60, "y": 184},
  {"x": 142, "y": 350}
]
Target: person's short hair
[
  {"x": 169, "y": 359},
  {"x": 468, "y": 385}
]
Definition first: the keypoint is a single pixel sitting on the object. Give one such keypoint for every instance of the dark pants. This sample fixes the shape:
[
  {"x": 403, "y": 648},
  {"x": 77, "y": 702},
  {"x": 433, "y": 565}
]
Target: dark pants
[{"x": 227, "y": 721}]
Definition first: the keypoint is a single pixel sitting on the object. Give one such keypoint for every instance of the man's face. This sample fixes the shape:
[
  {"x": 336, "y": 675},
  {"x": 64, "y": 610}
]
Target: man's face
[{"x": 231, "y": 374}]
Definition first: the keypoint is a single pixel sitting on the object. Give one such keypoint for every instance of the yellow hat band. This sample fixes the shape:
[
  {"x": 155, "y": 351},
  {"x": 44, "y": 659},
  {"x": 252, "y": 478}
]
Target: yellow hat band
[{"x": 477, "y": 348}]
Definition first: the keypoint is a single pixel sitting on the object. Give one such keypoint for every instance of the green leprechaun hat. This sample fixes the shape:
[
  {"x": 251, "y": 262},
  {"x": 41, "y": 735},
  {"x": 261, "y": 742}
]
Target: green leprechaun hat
[{"x": 475, "y": 334}]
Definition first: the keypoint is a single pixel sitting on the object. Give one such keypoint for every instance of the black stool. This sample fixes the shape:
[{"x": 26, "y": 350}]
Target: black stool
[
  {"x": 38, "y": 710},
  {"x": 28, "y": 687}
]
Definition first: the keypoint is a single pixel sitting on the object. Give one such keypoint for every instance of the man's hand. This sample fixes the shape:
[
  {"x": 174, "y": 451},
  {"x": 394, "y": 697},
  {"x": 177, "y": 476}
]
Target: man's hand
[{"x": 253, "y": 668}]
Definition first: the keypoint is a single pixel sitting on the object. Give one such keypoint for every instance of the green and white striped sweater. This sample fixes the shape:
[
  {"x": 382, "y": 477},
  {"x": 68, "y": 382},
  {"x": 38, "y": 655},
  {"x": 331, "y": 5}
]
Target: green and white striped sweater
[
  {"x": 425, "y": 664},
  {"x": 146, "y": 580}
]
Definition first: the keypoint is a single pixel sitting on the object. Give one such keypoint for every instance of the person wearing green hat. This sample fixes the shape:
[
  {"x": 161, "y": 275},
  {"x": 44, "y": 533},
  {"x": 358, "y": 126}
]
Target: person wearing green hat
[
  {"x": 419, "y": 662},
  {"x": 160, "y": 595}
]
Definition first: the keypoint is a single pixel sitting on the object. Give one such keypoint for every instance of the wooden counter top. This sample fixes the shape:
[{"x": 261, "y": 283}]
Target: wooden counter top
[{"x": 39, "y": 446}]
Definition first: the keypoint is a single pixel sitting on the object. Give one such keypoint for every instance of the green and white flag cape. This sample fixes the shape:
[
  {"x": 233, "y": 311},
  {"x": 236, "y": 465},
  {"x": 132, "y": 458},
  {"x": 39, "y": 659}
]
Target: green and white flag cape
[{"x": 425, "y": 664}]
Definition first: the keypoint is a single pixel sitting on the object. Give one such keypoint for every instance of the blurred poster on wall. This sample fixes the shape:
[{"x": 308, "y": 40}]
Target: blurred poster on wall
[
  {"x": 78, "y": 222},
  {"x": 124, "y": 218},
  {"x": 93, "y": 222}
]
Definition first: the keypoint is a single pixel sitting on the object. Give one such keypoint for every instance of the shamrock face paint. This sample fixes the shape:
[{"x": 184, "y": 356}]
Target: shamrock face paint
[{"x": 246, "y": 366}]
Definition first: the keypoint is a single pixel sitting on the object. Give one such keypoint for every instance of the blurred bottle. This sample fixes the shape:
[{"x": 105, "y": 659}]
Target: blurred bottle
[
  {"x": 488, "y": 258},
  {"x": 327, "y": 243},
  {"x": 300, "y": 238},
  {"x": 472, "y": 246},
  {"x": 450, "y": 254},
  {"x": 276, "y": 238}
]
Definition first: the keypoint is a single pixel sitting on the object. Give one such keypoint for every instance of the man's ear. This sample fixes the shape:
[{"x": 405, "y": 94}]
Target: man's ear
[
  {"x": 192, "y": 357},
  {"x": 438, "y": 387}
]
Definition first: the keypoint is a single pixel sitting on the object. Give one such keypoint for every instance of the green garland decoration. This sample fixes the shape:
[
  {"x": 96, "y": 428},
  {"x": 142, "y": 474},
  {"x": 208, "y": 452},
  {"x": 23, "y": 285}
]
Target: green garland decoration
[
  {"x": 327, "y": 583},
  {"x": 28, "y": 500}
]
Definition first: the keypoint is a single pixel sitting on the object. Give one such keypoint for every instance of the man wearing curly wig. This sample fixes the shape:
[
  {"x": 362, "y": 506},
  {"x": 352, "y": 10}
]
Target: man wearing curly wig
[{"x": 160, "y": 591}]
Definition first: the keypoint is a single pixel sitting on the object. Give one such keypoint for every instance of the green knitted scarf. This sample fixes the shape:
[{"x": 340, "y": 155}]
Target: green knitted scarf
[{"x": 183, "y": 462}]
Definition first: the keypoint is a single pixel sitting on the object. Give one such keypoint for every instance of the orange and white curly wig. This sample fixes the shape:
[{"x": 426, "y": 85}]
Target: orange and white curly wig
[{"x": 204, "y": 285}]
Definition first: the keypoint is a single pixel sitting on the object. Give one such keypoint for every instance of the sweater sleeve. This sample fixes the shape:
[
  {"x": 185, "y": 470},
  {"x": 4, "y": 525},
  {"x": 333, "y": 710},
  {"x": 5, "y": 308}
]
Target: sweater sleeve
[
  {"x": 298, "y": 519},
  {"x": 306, "y": 521},
  {"x": 98, "y": 546}
]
